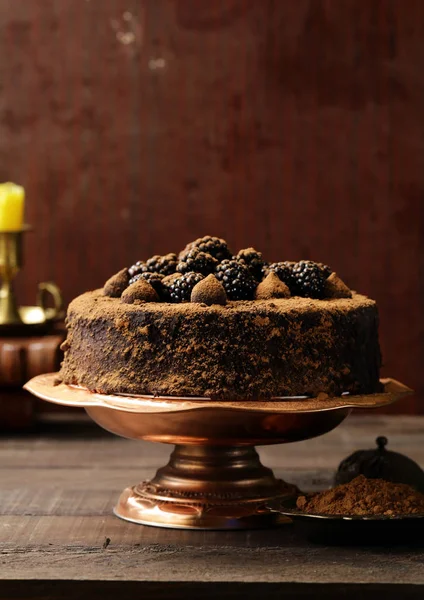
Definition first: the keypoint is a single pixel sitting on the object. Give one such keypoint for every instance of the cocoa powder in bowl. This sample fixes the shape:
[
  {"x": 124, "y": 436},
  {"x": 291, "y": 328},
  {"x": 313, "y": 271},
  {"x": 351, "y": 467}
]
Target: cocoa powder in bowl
[{"x": 363, "y": 496}]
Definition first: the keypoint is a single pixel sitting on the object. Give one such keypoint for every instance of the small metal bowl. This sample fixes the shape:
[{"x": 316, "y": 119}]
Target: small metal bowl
[{"x": 345, "y": 530}]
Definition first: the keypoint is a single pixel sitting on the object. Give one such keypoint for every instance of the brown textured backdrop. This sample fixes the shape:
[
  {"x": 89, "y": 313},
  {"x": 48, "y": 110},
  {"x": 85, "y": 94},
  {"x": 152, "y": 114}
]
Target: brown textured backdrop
[{"x": 293, "y": 126}]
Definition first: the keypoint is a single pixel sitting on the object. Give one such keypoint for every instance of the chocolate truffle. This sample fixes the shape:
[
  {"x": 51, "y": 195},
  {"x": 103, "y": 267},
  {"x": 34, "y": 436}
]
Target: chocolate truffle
[
  {"x": 209, "y": 291},
  {"x": 336, "y": 288},
  {"x": 272, "y": 287},
  {"x": 139, "y": 290},
  {"x": 116, "y": 284}
]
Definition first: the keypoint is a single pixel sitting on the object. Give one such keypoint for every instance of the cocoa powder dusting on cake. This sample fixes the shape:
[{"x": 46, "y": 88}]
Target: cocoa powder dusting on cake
[
  {"x": 243, "y": 350},
  {"x": 363, "y": 496}
]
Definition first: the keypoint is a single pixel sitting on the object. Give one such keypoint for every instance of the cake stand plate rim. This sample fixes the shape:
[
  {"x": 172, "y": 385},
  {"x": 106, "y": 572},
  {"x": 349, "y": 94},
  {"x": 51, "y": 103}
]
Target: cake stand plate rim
[{"x": 46, "y": 388}]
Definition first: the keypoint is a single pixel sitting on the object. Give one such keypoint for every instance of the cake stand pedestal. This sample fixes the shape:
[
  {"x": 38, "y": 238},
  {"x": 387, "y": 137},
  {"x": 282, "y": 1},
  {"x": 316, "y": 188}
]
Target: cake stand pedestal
[
  {"x": 214, "y": 479},
  {"x": 206, "y": 487}
]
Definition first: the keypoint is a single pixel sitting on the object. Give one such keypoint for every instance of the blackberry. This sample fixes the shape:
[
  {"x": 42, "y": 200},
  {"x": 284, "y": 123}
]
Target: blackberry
[
  {"x": 155, "y": 280},
  {"x": 198, "y": 261},
  {"x": 308, "y": 279},
  {"x": 253, "y": 260},
  {"x": 180, "y": 288},
  {"x": 214, "y": 246},
  {"x": 165, "y": 265},
  {"x": 138, "y": 267},
  {"x": 284, "y": 270},
  {"x": 236, "y": 279},
  {"x": 166, "y": 282}
]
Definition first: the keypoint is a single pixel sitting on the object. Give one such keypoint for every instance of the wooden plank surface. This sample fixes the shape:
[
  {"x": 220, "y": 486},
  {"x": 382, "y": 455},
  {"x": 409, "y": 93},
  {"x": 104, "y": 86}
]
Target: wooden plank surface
[{"x": 58, "y": 534}]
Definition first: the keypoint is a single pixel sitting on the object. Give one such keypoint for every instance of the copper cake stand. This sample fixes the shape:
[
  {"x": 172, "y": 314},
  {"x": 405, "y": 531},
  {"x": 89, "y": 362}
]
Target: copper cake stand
[{"x": 214, "y": 478}]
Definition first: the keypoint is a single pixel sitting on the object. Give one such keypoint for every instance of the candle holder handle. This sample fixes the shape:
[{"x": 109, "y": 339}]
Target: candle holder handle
[
  {"x": 46, "y": 289},
  {"x": 10, "y": 265}
]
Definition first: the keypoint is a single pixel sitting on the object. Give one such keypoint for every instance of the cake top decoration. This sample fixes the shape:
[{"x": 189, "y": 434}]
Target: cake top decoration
[{"x": 246, "y": 275}]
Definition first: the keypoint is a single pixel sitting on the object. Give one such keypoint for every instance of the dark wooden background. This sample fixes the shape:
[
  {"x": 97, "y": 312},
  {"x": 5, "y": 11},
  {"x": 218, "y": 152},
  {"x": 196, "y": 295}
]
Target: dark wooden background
[{"x": 296, "y": 126}]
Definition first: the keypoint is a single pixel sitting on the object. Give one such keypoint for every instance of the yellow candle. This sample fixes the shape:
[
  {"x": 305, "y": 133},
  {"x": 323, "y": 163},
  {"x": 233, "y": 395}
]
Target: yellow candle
[{"x": 12, "y": 201}]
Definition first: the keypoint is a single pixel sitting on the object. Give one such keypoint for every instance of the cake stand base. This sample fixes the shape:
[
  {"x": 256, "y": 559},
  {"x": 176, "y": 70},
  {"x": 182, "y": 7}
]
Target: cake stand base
[{"x": 206, "y": 487}]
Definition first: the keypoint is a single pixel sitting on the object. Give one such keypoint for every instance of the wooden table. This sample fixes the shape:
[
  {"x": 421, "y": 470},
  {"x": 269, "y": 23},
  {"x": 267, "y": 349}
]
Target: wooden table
[{"x": 59, "y": 539}]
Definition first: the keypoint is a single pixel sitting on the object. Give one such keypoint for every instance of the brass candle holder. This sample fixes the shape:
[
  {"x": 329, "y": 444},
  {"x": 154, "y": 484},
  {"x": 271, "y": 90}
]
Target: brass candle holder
[
  {"x": 10, "y": 265},
  {"x": 25, "y": 319}
]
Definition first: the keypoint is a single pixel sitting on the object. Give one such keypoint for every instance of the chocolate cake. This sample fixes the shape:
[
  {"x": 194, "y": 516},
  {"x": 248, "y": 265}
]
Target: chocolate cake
[{"x": 209, "y": 324}]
